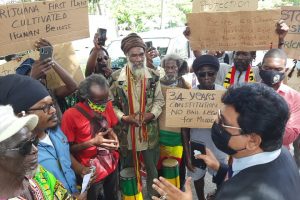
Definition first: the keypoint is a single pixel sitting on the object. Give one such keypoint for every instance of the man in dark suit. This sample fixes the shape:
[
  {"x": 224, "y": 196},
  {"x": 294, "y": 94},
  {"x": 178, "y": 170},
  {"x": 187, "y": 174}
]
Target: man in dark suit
[{"x": 250, "y": 127}]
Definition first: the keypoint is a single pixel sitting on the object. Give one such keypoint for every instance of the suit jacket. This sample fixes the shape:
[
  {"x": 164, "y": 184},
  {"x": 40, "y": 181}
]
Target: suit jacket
[{"x": 276, "y": 180}]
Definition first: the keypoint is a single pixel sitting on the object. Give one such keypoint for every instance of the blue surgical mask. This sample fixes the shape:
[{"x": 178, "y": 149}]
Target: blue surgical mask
[
  {"x": 298, "y": 65},
  {"x": 156, "y": 61}
]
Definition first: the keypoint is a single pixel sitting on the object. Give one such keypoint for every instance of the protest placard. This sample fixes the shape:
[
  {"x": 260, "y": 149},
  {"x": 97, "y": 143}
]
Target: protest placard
[
  {"x": 64, "y": 55},
  {"x": 192, "y": 108},
  {"x": 163, "y": 115},
  {"x": 224, "y": 5},
  {"x": 11, "y": 66},
  {"x": 242, "y": 30},
  {"x": 59, "y": 21},
  {"x": 293, "y": 80},
  {"x": 291, "y": 16}
]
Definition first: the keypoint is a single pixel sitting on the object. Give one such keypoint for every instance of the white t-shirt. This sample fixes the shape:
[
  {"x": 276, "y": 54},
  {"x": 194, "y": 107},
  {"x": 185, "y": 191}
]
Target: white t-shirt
[{"x": 46, "y": 140}]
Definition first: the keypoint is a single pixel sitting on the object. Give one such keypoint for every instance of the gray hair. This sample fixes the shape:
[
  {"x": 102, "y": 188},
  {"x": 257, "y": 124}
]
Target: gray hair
[
  {"x": 174, "y": 57},
  {"x": 84, "y": 92}
]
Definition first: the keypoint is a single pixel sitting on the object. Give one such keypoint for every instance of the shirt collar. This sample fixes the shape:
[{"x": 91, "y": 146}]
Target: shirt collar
[
  {"x": 240, "y": 164},
  {"x": 123, "y": 77},
  {"x": 282, "y": 88}
]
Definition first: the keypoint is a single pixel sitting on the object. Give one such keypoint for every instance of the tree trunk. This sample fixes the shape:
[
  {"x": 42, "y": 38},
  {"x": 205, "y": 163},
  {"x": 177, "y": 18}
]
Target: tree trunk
[{"x": 99, "y": 8}]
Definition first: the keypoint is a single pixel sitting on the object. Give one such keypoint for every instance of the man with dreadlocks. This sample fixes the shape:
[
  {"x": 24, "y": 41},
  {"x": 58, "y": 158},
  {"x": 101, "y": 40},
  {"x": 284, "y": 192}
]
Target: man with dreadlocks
[{"x": 138, "y": 102}]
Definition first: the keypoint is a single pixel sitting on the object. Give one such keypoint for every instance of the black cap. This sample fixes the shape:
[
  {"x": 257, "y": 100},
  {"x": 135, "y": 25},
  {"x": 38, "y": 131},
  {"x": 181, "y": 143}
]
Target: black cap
[
  {"x": 21, "y": 92},
  {"x": 206, "y": 60}
]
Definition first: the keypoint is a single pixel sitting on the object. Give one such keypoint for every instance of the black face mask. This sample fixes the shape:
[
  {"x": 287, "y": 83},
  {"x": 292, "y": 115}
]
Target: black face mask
[
  {"x": 271, "y": 77},
  {"x": 221, "y": 138}
]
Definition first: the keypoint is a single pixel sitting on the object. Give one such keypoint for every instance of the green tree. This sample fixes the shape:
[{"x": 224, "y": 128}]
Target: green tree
[{"x": 145, "y": 15}]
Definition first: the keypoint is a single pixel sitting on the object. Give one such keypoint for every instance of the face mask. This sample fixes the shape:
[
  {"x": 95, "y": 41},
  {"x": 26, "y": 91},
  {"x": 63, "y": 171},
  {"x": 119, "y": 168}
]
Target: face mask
[
  {"x": 96, "y": 107},
  {"x": 298, "y": 65},
  {"x": 271, "y": 77},
  {"x": 221, "y": 138},
  {"x": 156, "y": 61}
]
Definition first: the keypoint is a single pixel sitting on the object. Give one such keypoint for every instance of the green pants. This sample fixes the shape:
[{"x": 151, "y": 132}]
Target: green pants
[{"x": 151, "y": 157}]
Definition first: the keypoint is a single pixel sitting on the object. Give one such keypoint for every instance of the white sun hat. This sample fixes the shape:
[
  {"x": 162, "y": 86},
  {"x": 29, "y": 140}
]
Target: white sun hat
[{"x": 11, "y": 124}]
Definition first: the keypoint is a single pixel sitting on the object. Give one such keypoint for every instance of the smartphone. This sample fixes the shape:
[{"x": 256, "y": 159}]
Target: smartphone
[
  {"x": 197, "y": 148},
  {"x": 102, "y": 36},
  {"x": 46, "y": 52},
  {"x": 149, "y": 44}
]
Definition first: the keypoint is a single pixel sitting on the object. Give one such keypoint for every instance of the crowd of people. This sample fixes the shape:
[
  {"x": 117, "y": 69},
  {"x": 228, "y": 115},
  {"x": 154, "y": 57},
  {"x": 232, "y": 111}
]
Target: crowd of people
[{"x": 114, "y": 130}]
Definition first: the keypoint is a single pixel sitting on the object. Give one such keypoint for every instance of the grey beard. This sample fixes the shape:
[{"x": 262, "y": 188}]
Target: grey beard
[
  {"x": 170, "y": 78},
  {"x": 138, "y": 71},
  {"x": 31, "y": 173}
]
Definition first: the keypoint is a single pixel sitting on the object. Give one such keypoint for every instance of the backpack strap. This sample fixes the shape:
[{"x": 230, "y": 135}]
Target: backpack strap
[
  {"x": 95, "y": 121},
  {"x": 84, "y": 113}
]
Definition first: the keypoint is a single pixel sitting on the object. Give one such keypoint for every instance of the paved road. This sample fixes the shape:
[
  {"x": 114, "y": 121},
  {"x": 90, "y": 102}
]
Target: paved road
[{"x": 209, "y": 187}]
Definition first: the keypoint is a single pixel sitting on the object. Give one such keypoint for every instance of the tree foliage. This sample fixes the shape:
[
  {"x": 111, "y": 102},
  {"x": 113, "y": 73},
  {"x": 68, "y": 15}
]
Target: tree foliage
[{"x": 144, "y": 15}]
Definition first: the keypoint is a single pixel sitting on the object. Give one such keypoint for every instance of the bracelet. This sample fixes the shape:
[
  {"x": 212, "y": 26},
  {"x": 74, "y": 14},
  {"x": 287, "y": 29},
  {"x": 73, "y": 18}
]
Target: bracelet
[{"x": 281, "y": 43}]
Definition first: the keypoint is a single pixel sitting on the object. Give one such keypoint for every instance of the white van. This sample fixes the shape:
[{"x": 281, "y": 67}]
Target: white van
[{"x": 166, "y": 41}]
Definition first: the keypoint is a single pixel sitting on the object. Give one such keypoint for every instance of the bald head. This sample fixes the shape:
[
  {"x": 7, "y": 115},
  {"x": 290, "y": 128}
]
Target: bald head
[{"x": 277, "y": 54}]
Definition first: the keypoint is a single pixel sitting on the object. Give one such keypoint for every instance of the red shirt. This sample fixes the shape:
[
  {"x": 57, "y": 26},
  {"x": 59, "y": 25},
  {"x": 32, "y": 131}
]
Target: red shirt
[{"x": 77, "y": 129}]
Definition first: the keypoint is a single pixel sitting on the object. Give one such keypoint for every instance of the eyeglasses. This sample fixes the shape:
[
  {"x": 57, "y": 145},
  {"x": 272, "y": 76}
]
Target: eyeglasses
[
  {"x": 100, "y": 59},
  {"x": 26, "y": 147},
  {"x": 46, "y": 108},
  {"x": 204, "y": 74},
  {"x": 220, "y": 122}
]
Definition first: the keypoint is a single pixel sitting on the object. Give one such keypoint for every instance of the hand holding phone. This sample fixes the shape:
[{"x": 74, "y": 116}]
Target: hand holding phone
[
  {"x": 102, "y": 36},
  {"x": 46, "y": 52},
  {"x": 210, "y": 160},
  {"x": 196, "y": 149},
  {"x": 149, "y": 44}
]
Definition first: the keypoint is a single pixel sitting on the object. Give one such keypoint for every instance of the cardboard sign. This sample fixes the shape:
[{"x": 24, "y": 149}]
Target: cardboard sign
[
  {"x": 192, "y": 108},
  {"x": 224, "y": 5},
  {"x": 64, "y": 55},
  {"x": 233, "y": 31},
  {"x": 291, "y": 16},
  {"x": 59, "y": 21},
  {"x": 10, "y": 67},
  {"x": 294, "y": 81},
  {"x": 163, "y": 116}
]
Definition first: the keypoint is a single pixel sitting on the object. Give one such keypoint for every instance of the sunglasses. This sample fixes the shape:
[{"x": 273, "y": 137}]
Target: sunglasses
[
  {"x": 100, "y": 59},
  {"x": 204, "y": 74},
  {"x": 26, "y": 147},
  {"x": 45, "y": 108}
]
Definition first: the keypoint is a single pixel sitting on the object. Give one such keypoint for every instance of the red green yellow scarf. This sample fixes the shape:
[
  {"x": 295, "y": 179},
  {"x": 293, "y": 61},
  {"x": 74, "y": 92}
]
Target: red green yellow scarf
[
  {"x": 229, "y": 79},
  {"x": 142, "y": 129}
]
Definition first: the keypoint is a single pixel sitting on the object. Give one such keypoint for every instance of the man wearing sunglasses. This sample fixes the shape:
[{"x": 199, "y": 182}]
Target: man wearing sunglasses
[
  {"x": 98, "y": 61},
  {"x": 20, "y": 175},
  {"x": 206, "y": 68},
  {"x": 29, "y": 96},
  {"x": 18, "y": 152},
  {"x": 251, "y": 130}
]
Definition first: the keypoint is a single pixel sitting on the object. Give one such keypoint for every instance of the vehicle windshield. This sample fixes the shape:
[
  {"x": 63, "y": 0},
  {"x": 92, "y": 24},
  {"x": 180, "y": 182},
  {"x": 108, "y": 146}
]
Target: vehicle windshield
[{"x": 114, "y": 48}]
